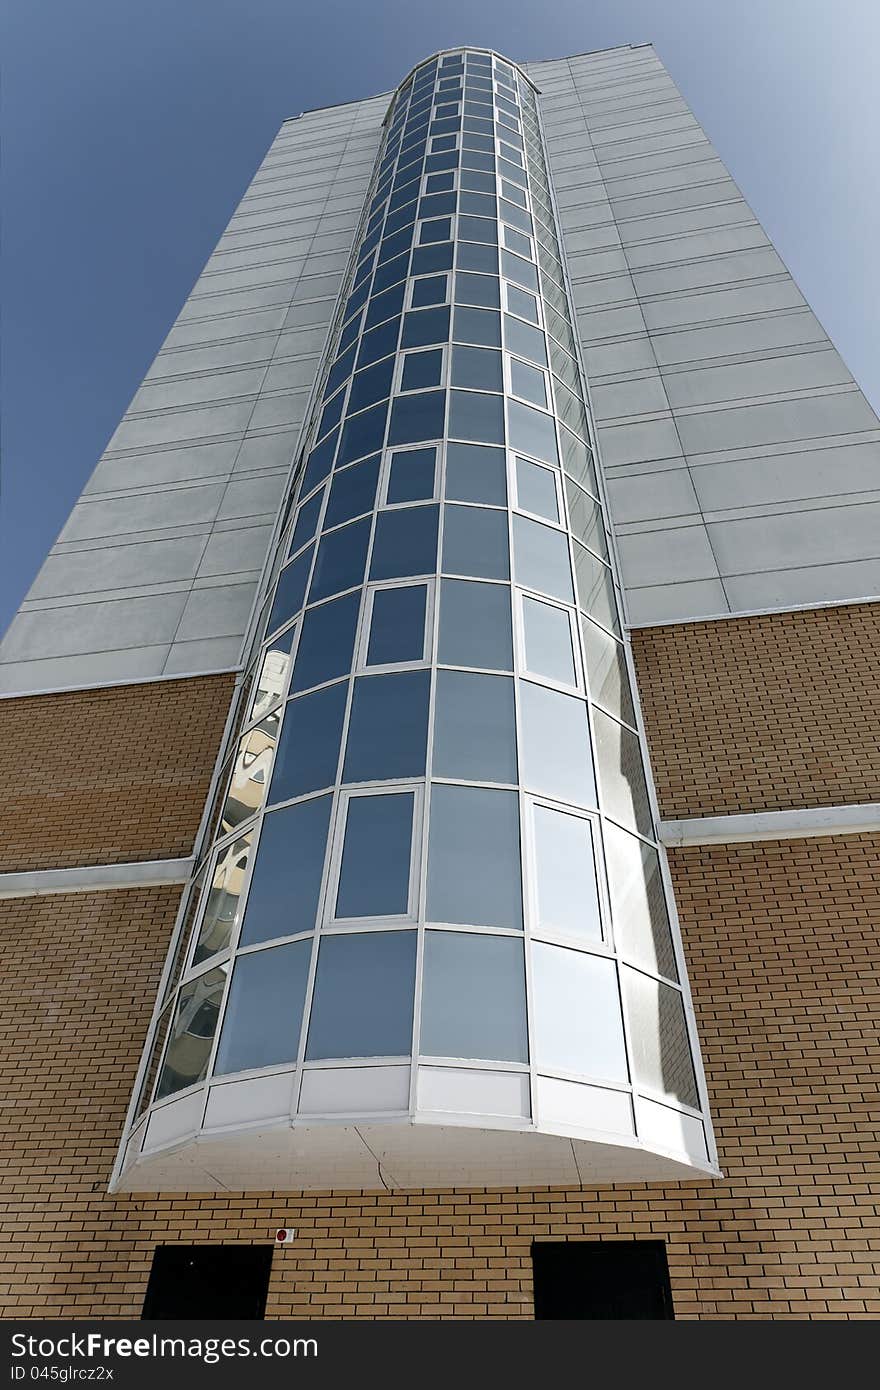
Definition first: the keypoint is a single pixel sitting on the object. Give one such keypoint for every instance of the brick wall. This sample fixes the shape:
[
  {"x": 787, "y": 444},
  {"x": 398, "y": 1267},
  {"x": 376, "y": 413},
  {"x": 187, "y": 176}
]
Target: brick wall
[
  {"x": 111, "y": 775},
  {"x": 784, "y": 955},
  {"x": 764, "y": 713}
]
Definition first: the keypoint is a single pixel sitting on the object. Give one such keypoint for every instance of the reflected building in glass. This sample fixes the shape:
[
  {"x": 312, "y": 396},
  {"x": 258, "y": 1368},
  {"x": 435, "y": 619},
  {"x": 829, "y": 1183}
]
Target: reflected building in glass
[{"x": 429, "y": 937}]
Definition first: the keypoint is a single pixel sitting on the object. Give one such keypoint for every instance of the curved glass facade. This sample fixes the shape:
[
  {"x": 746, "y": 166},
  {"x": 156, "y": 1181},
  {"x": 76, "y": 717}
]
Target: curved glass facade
[{"x": 430, "y": 888}]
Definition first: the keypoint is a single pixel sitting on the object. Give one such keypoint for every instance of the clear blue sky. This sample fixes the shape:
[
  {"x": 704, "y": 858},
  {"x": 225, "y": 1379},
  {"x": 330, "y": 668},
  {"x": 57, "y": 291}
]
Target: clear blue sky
[{"x": 131, "y": 131}]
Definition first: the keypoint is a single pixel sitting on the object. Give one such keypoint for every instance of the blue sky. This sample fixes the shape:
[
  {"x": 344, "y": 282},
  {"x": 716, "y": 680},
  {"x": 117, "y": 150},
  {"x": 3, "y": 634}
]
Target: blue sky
[{"x": 131, "y": 131}]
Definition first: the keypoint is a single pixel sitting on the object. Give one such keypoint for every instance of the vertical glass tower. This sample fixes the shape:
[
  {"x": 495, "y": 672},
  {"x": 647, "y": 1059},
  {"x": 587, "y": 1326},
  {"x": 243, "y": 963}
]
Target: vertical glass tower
[{"x": 430, "y": 938}]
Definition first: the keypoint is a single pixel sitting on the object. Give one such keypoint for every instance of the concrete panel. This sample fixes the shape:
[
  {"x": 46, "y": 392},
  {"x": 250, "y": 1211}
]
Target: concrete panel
[
  {"x": 764, "y": 376},
  {"x": 118, "y": 567},
  {"x": 730, "y": 339},
  {"x": 652, "y": 439},
  {"x": 78, "y": 629},
  {"x": 252, "y": 496},
  {"x": 729, "y": 268},
  {"x": 120, "y": 471},
  {"x": 723, "y": 304},
  {"x": 643, "y": 396},
  {"x": 669, "y": 602},
  {"x": 221, "y": 611},
  {"x": 666, "y": 556},
  {"x": 812, "y": 584},
  {"x": 208, "y": 654},
  {"x": 141, "y": 432},
  {"x": 650, "y": 496},
  {"x": 789, "y": 477},
  {"x": 267, "y": 451},
  {"x": 236, "y": 552},
  {"x": 181, "y": 506},
  {"x": 810, "y": 417},
  {"x": 214, "y": 386},
  {"x": 827, "y": 535}
]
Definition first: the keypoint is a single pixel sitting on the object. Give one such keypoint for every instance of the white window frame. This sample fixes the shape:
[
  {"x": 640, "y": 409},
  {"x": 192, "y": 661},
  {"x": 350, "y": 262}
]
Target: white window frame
[{"x": 329, "y": 920}]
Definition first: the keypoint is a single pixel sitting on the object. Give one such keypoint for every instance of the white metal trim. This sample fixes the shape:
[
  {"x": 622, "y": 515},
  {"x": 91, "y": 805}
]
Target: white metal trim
[
  {"x": 95, "y": 878},
  {"x": 811, "y": 823}
]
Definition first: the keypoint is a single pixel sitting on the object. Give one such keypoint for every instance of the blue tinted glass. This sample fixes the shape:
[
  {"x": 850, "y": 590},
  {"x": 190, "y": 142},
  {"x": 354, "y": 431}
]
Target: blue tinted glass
[
  {"x": 476, "y": 473},
  {"x": 389, "y": 274},
  {"x": 475, "y": 625},
  {"x": 352, "y": 492},
  {"x": 326, "y": 642},
  {"x": 510, "y": 171},
  {"x": 341, "y": 558},
  {"x": 555, "y": 748},
  {"x": 422, "y": 369},
  {"x": 412, "y": 476},
  {"x": 306, "y": 522},
  {"x": 472, "y": 255},
  {"x": 522, "y": 303},
  {"x": 263, "y": 1016},
  {"x": 286, "y": 882},
  {"x": 397, "y": 627},
  {"x": 362, "y": 434},
  {"x": 437, "y": 204},
  {"x": 524, "y": 340},
  {"x": 478, "y": 182},
  {"x": 331, "y": 414},
  {"x": 319, "y": 464},
  {"x": 474, "y": 871},
  {"x": 426, "y": 259},
  {"x": 476, "y": 154},
  {"x": 474, "y": 727},
  {"x": 447, "y": 126},
  {"x": 392, "y": 246},
  {"x": 370, "y": 385},
  {"x": 477, "y": 289},
  {"x": 475, "y": 542},
  {"x": 473, "y": 415},
  {"x": 379, "y": 342},
  {"x": 405, "y": 543},
  {"x": 349, "y": 333},
  {"x": 340, "y": 371},
  {"x": 473, "y": 997},
  {"x": 441, "y": 161},
  {"x": 429, "y": 291},
  {"x": 385, "y": 306},
  {"x": 515, "y": 268},
  {"x": 532, "y": 431},
  {"x": 438, "y": 230},
  {"x": 515, "y": 216},
  {"x": 374, "y": 875},
  {"x": 308, "y": 749},
  {"x": 541, "y": 558},
  {"x": 477, "y": 326},
  {"x": 417, "y": 417},
  {"x": 357, "y": 299},
  {"x": 477, "y": 229},
  {"x": 443, "y": 142},
  {"x": 388, "y": 729},
  {"x": 477, "y": 367},
  {"x": 473, "y": 123},
  {"x": 425, "y": 326},
  {"x": 363, "y": 1002},
  {"x": 290, "y": 591},
  {"x": 517, "y": 242},
  {"x": 481, "y": 204}
]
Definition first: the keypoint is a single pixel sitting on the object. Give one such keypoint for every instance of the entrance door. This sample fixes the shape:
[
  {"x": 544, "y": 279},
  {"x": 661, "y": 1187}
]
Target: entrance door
[
  {"x": 601, "y": 1279},
  {"x": 208, "y": 1281}
]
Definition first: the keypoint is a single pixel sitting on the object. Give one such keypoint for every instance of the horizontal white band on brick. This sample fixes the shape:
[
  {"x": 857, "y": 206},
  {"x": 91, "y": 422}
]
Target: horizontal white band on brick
[
  {"x": 807, "y": 824},
  {"x": 95, "y": 878}
]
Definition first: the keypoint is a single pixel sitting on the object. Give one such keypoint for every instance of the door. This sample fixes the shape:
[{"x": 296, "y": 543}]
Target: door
[
  {"x": 208, "y": 1281},
  {"x": 601, "y": 1279}
]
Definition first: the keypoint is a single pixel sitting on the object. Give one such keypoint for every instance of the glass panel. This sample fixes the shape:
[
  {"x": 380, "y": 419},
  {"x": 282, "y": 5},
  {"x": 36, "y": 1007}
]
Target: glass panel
[
  {"x": 474, "y": 727},
  {"x": 371, "y": 385},
  {"x": 412, "y": 476},
  {"x": 417, "y": 417},
  {"x": 528, "y": 382},
  {"x": 477, "y": 289},
  {"x": 555, "y": 750},
  {"x": 327, "y": 642},
  {"x": 565, "y": 875},
  {"x": 250, "y": 772},
  {"x": 475, "y": 542},
  {"x": 586, "y": 519},
  {"x": 421, "y": 369},
  {"x": 263, "y": 1018},
  {"x": 192, "y": 1032},
  {"x": 606, "y": 671},
  {"x": 378, "y": 343},
  {"x": 290, "y": 591},
  {"x": 269, "y": 685},
  {"x": 352, "y": 492},
  {"x": 541, "y": 558},
  {"x": 308, "y": 750},
  {"x": 475, "y": 625},
  {"x": 473, "y": 415},
  {"x": 428, "y": 258},
  {"x": 362, "y": 434},
  {"x": 476, "y": 473},
  {"x": 306, "y": 522},
  {"x": 221, "y": 909},
  {"x": 388, "y": 731},
  {"x": 431, "y": 290},
  {"x": 522, "y": 303},
  {"x": 405, "y": 543},
  {"x": 622, "y": 774},
  {"x": 547, "y": 642},
  {"x": 474, "y": 874},
  {"x": 524, "y": 340},
  {"x": 363, "y": 1004},
  {"x": 658, "y": 1033},
  {"x": 577, "y": 1019},
  {"x": 595, "y": 588},
  {"x": 532, "y": 431},
  {"x": 425, "y": 326},
  {"x": 286, "y": 880},
  {"x": 470, "y": 255},
  {"x": 480, "y": 326},
  {"x": 473, "y": 997},
  {"x": 479, "y": 368},
  {"x": 341, "y": 558},
  {"x": 374, "y": 877},
  {"x": 536, "y": 489},
  {"x": 638, "y": 902},
  {"x": 397, "y": 627}
]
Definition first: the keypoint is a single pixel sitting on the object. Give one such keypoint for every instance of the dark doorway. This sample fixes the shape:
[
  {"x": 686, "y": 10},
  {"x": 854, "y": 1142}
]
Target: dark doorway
[
  {"x": 601, "y": 1279},
  {"x": 208, "y": 1281}
]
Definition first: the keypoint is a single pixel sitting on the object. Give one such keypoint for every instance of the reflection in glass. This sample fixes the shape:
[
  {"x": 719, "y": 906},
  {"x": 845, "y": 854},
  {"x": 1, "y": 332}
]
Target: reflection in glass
[
  {"x": 474, "y": 727},
  {"x": 269, "y": 685},
  {"x": 308, "y": 750},
  {"x": 263, "y": 1017},
  {"x": 374, "y": 877},
  {"x": 541, "y": 558},
  {"x": 405, "y": 543},
  {"x": 327, "y": 641},
  {"x": 536, "y": 489},
  {"x": 547, "y": 641},
  {"x": 622, "y": 774},
  {"x": 638, "y": 902},
  {"x": 250, "y": 772},
  {"x": 475, "y": 542},
  {"x": 192, "y": 1032},
  {"x": 388, "y": 729},
  {"x": 565, "y": 875},
  {"x": 606, "y": 671},
  {"x": 476, "y": 473},
  {"x": 595, "y": 588},
  {"x": 577, "y": 1019},
  {"x": 475, "y": 625},
  {"x": 658, "y": 1036},
  {"x": 555, "y": 750},
  {"x": 473, "y": 997},
  {"x": 532, "y": 431},
  {"x": 221, "y": 909},
  {"x": 397, "y": 626},
  {"x": 474, "y": 874},
  {"x": 286, "y": 879},
  {"x": 363, "y": 1002}
]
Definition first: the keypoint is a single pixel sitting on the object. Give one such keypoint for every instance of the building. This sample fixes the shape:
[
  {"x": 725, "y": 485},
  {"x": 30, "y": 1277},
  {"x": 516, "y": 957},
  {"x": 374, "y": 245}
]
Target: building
[{"x": 494, "y": 452}]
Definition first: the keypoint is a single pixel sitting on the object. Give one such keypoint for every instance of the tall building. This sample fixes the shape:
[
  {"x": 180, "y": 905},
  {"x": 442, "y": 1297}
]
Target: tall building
[{"x": 494, "y": 453}]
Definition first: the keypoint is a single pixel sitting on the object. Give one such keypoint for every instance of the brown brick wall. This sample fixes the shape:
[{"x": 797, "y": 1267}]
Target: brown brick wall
[
  {"x": 105, "y": 776},
  {"x": 765, "y": 713},
  {"x": 784, "y": 954}
]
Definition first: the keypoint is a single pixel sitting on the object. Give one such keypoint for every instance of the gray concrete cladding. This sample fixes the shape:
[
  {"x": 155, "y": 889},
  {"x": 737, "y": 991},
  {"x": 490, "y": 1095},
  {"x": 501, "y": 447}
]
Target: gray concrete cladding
[
  {"x": 742, "y": 462},
  {"x": 740, "y": 458},
  {"x": 155, "y": 572}
]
